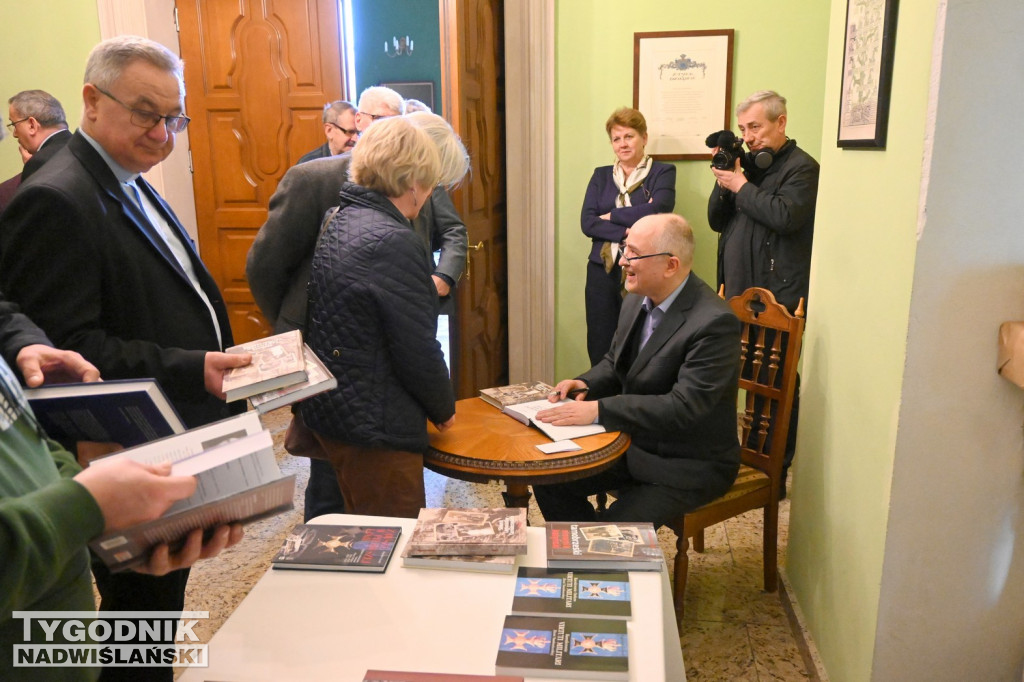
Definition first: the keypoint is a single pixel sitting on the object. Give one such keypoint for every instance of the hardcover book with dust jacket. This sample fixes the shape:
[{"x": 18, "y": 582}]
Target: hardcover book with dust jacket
[
  {"x": 497, "y": 530},
  {"x": 338, "y": 548},
  {"x": 604, "y": 546},
  {"x": 277, "y": 361},
  {"x": 550, "y": 592},
  {"x": 581, "y": 648},
  {"x": 318, "y": 380},
  {"x": 503, "y": 396}
]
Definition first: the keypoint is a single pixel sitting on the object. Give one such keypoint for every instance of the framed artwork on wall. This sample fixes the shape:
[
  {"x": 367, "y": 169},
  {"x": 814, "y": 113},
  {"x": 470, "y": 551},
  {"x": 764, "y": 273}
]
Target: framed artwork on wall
[
  {"x": 867, "y": 73},
  {"x": 682, "y": 83},
  {"x": 421, "y": 90}
]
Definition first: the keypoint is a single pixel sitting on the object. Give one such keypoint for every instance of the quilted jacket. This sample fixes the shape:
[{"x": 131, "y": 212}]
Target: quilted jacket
[{"x": 373, "y": 321}]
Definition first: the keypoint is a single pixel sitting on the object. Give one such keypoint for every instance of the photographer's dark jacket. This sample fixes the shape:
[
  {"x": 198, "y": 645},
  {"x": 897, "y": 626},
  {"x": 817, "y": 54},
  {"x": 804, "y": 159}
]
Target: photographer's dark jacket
[
  {"x": 767, "y": 227},
  {"x": 373, "y": 321}
]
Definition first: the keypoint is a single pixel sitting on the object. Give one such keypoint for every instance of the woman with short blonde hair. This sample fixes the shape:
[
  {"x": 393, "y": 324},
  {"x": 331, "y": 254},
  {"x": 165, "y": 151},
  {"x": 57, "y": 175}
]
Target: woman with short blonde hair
[{"x": 373, "y": 321}]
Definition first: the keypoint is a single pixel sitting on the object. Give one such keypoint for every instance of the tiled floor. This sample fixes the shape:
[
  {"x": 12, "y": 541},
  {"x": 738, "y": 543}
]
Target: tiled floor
[{"x": 732, "y": 630}]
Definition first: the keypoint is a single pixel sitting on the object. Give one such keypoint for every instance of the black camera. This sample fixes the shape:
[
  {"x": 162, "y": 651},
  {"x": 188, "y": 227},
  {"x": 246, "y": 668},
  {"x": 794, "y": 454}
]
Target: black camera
[{"x": 729, "y": 146}]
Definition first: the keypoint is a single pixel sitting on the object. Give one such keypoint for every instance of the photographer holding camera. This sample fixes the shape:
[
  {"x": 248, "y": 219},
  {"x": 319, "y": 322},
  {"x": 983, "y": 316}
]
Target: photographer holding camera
[{"x": 762, "y": 206}]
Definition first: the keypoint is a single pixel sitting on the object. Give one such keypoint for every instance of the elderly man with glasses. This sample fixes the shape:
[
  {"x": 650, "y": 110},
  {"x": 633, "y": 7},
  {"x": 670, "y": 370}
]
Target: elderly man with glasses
[
  {"x": 669, "y": 381},
  {"x": 38, "y": 122},
  {"x": 99, "y": 261},
  {"x": 339, "y": 127}
]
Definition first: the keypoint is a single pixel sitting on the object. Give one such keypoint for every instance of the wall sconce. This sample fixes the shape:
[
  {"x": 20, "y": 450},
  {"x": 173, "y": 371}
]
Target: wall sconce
[{"x": 402, "y": 46}]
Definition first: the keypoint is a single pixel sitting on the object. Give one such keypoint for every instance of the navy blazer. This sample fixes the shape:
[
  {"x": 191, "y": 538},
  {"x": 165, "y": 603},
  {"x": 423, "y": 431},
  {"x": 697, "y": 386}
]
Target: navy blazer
[
  {"x": 677, "y": 399},
  {"x": 86, "y": 265},
  {"x": 657, "y": 194},
  {"x": 46, "y": 151}
]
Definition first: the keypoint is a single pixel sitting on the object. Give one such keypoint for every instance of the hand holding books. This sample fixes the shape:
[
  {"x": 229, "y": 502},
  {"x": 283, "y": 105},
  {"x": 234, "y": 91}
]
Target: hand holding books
[{"x": 129, "y": 493}]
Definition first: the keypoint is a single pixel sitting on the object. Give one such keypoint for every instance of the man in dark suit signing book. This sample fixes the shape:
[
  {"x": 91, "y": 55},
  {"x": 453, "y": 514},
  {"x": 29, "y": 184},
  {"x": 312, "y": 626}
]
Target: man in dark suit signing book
[
  {"x": 95, "y": 256},
  {"x": 669, "y": 381}
]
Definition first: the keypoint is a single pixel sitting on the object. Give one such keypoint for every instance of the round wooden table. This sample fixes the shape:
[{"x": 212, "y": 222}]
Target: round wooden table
[{"x": 487, "y": 445}]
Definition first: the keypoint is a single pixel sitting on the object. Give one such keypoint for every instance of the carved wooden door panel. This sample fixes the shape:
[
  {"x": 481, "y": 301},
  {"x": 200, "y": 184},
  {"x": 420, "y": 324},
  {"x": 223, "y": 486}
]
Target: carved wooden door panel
[
  {"x": 473, "y": 82},
  {"x": 257, "y": 74}
]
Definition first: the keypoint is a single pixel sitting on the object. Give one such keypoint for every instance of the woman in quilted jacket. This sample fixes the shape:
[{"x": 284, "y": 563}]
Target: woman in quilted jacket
[{"x": 373, "y": 317}]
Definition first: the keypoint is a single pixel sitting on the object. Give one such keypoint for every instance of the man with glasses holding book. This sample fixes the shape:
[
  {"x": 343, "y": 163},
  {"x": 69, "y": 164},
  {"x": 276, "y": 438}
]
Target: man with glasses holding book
[
  {"x": 669, "y": 381},
  {"x": 99, "y": 261}
]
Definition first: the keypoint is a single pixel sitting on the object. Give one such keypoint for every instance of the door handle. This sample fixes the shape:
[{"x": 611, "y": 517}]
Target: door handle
[{"x": 474, "y": 247}]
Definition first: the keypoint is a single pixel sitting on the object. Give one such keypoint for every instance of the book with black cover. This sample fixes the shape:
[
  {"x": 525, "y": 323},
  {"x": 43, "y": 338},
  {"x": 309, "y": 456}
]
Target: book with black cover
[
  {"x": 548, "y": 592},
  {"x": 513, "y": 394},
  {"x": 496, "y": 530},
  {"x": 582, "y": 648},
  {"x": 238, "y": 481},
  {"x": 124, "y": 411},
  {"x": 314, "y": 547},
  {"x": 477, "y": 563},
  {"x": 277, "y": 361},
  {"x": 606, "y": 546},
  {"x": 318, "y": 380}
]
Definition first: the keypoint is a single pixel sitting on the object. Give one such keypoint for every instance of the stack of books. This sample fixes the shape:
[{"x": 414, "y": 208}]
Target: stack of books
[
  {"x": 482, "y": 539},
  {"x": 283, "y": 370}
]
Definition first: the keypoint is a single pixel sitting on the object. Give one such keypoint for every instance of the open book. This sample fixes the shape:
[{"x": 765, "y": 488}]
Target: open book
[
  {"x": 238, "y": 480},
  {"x": 527, "y": 414}
]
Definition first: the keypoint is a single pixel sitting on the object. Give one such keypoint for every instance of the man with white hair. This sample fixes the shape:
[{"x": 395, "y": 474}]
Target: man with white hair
[{"x": 669, "y": 381}]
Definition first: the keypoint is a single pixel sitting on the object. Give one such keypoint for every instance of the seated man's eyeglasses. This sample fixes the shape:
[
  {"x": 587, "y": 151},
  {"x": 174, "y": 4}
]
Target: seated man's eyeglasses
[
  {"x": 11, "y": 124},
  {"x": 625, "y": 249},
  {"x": 150, "y": 119},
  {"x": 347, "y": 131}
]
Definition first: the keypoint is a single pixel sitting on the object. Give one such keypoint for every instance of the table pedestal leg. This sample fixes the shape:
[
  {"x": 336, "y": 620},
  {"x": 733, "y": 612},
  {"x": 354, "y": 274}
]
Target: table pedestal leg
[{"x": 516, "y": 495}]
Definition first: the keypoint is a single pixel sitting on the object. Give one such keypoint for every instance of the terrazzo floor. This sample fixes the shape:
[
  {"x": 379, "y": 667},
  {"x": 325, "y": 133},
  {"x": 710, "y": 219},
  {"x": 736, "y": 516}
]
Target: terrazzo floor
[{"x": 732, "y": 630}]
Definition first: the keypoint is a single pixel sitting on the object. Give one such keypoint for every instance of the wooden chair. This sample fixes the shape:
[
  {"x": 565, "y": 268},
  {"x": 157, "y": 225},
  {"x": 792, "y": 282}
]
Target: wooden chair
[{"x": 769, "y": 351}]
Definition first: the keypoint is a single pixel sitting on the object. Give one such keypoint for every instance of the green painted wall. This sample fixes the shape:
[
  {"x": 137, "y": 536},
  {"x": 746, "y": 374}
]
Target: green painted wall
[
  {"x": 781, "y": 47},
  {"x": 375, "y": 22},
  {"x": 854, "y": 354},
  {"x": 58, "y": 70}
]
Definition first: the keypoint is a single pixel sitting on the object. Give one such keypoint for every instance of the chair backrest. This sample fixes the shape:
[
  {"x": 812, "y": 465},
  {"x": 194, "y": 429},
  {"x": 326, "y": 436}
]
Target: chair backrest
[{"x": 769, "y": 353}]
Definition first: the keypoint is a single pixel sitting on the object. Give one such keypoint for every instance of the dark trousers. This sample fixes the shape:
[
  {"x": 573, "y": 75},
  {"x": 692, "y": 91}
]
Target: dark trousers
[
  {"x": 635, "y": 501},
  {"x": 603, "y": 297},
  {"x": 131, "y": 591},
  {"x": 323, "y": 496}
]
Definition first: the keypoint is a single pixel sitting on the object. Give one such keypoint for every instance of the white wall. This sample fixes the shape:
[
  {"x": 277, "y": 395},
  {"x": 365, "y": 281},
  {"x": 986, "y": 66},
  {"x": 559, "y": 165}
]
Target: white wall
[{"x": 952, "y": 592}]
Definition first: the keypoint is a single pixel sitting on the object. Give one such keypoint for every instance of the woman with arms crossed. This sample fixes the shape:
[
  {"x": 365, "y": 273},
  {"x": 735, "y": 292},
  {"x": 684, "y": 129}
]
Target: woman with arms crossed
[{"x": 619, "y": 195}]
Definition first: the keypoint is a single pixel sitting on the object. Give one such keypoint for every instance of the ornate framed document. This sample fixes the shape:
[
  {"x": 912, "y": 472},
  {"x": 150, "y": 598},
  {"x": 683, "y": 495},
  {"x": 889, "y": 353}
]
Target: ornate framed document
[{"x": 682, "y": 82}]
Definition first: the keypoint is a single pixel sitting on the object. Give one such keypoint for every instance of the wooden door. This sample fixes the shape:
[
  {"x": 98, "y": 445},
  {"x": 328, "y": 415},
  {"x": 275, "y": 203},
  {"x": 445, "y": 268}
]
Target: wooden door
[
  {"x": 257, "y": 75},
  {"x": 473, "y": 83}
]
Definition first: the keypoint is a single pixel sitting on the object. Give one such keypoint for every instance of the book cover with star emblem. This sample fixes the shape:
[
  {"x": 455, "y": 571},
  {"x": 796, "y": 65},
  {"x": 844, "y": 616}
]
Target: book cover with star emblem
[
  {"x": 548, "y": 592},
  {"x": 582, "y": 648},
  {"x": 318, "y": 547}
]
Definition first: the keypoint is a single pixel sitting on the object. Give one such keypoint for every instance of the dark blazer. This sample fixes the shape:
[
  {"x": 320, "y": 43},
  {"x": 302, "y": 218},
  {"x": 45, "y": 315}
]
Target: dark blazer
[
  {"x": 657, "y": 194},
  {"x": 279, "y": 260},
  {"x": 321, "y": 152},
  {"x": 677, "y": 399},
  {"x": 46, "y": 151},
  {"x": 85, "y": 264}
]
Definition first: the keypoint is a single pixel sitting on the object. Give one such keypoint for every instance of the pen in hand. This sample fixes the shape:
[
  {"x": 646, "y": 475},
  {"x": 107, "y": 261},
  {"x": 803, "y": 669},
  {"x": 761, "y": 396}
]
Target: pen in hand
[{"x": 570, "y": 394}]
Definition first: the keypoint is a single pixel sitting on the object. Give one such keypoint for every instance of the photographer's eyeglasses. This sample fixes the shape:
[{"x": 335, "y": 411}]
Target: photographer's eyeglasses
[
  {"x": 629, "y": 259},
  {"x": 150, "y": 119}
]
